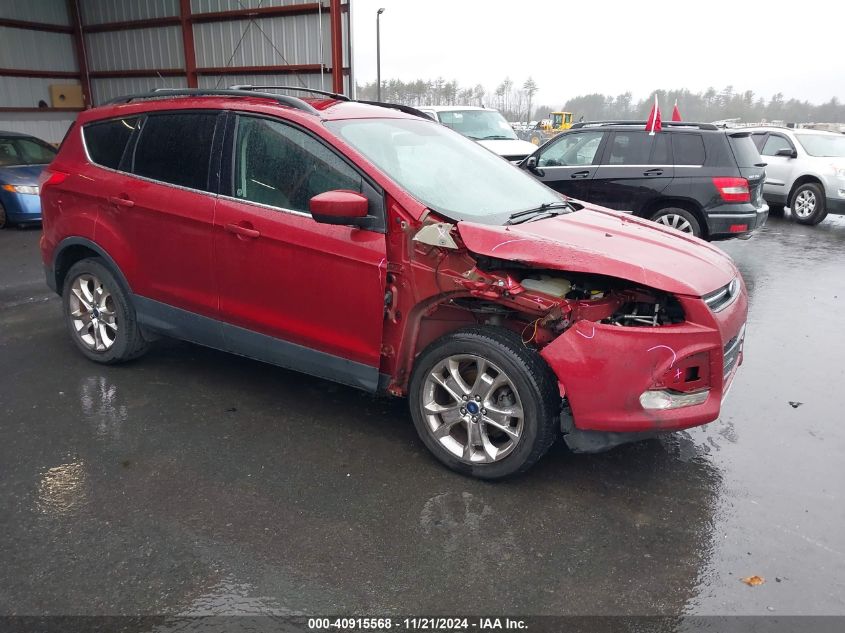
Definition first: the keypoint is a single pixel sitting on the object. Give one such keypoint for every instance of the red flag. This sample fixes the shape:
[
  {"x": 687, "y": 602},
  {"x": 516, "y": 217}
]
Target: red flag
[
  {"x": 653, "y": 124},
  {"x": 676, "y": 114}
]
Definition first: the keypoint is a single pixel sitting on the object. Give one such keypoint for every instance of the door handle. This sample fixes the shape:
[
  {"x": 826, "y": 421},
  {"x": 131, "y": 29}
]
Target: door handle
[
  {"x": 121, "y": 202},
  {"x": 580, "y": 174},
  {"x": 242, "y": 231},
  {"x": 653, "y": 172}
]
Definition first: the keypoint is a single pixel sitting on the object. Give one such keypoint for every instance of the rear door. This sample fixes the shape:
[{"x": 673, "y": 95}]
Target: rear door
[
  {"x": 300, "y": 294},
  {"x": 635, "y": 169},
  {"x": 166, "y": 209},
  {"x": 778, "y": 168},
  {"x": 568, "y": 163}
]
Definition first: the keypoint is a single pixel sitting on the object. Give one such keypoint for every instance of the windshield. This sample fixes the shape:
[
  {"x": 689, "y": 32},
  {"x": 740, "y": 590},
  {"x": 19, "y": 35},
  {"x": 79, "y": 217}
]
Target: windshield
[
  {"x": 446, "y": 172},
  {"x": 822, "y": 144},
  {"x": 20, "y": 150},
  {"x": 479, "y": 125}
]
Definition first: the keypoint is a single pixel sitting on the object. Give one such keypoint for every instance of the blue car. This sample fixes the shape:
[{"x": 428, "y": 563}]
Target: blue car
[{"x": 22, "y": 158}]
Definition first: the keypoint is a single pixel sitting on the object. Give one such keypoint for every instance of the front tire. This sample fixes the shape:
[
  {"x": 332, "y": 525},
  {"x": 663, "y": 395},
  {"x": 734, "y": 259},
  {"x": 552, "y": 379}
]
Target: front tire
[
  {"x": 483, "y": 403},
  {"x": 679, "y": 219},
  {"x": 3, "y": 218},
  {"x": 98, "y": 314},
  {"x": 808, "y": 204}
]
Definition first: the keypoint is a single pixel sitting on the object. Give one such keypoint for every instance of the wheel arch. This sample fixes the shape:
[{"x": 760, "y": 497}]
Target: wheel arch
[
  {"x": 686, "y": 204},
  {"x": 73, "y": 249},
  {"x": 803, "y": 180}
]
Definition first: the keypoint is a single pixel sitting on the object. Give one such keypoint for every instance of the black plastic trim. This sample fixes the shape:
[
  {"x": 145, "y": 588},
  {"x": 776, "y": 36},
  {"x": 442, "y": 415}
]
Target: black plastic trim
[{"x": 177, "y": 323}]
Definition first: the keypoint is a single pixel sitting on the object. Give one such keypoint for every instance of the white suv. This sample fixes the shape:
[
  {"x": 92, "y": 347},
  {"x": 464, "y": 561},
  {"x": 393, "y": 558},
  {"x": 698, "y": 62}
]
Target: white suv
[
  {"x": 485, "y": 125},
  {"x": 805, "y": 170}
]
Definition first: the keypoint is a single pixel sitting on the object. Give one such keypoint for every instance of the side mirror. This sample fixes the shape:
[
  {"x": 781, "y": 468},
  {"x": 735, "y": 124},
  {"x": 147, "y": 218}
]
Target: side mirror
[
  {"x": 786, "y": 151},
  {"x": 530, "y": 164},
  {"x": 340, "y": 206}
]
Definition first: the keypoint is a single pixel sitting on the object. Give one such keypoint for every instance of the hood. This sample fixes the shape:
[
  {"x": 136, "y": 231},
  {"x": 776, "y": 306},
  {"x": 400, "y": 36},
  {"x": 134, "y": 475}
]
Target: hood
[
  {"x": 21, "y": 174},
  {"x": 600, "y": 241},
  {"x": 513, "y": 148}
]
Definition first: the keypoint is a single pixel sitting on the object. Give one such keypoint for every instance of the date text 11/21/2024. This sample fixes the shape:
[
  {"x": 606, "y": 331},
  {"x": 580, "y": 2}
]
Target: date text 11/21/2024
[{"x": 416, "y": 624}]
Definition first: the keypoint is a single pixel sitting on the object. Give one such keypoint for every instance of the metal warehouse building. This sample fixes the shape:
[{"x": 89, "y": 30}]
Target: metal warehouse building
[{"x": 58, "y": 57}]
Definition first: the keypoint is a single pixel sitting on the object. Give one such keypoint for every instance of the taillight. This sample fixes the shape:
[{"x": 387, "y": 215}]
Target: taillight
[
  {"x": 733, "y": 189},
  {"x": 51, "y": 177}
]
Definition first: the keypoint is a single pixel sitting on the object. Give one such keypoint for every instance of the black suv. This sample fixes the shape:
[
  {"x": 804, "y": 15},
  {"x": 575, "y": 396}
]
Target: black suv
[{"x": 694, "y": 177}]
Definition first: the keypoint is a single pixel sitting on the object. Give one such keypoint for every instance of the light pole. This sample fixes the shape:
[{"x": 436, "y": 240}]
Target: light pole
[{"x": 378, "y": 53}]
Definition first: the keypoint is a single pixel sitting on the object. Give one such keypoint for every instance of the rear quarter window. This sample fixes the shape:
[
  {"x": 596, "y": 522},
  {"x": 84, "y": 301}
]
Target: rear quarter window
[
  {"x": 107, "y": 141},
  {"x": 745, "y": 151},
  {"x": 688, "y": 148}
]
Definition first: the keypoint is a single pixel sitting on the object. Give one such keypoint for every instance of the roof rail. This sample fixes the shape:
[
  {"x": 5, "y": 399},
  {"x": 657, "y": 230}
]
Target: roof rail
[
  {"x": 166, "y": 93},
  {"x": 398, "y": 106},
  {"x": 333, "y": 95},
  {"x": 700, "y": 126}
]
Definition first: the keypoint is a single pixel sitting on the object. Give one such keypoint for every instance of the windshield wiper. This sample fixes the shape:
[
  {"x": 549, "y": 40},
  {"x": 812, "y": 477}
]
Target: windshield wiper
[
  {"x": 548, "y": 209},
  {"x": 496, "y": 138}
]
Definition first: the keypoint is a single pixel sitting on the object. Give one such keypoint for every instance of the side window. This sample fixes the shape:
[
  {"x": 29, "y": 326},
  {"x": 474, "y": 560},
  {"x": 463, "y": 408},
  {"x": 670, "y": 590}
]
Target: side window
[
  {"x": 176, "y": 148},
  {"x": 9, "y": 154},
  {"x": 35, "y": 152},
  {"x": 688, "y": 148},
  {"x": 106, "y": 141},
  {"x": 660, "y": 154},
  {"x": 630, "y": 148},
  {"x": 758, "y": 138},
  {"x": 774, "y": 143},
  {"x": 572, "y": 150},
  {"x": 281, "y": 166}
]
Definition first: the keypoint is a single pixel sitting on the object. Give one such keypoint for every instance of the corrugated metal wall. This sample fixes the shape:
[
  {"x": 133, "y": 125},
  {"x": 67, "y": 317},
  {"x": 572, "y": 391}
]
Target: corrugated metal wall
[{"x": 259, "y": 41}]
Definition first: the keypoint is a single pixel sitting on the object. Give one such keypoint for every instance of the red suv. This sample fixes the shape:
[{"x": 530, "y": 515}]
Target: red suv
[{"x": 367, "y": 245}]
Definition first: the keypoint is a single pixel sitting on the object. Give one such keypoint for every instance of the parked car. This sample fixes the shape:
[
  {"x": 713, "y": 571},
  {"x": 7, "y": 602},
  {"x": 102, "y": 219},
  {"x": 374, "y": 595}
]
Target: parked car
[
  {"x": 341, "y": 240},
  {"x": 22, "y": 158},
  {"x": 805, "y": 171},
  {"x": 692, "y": 177},
  {"x": 485, "y": 125}
]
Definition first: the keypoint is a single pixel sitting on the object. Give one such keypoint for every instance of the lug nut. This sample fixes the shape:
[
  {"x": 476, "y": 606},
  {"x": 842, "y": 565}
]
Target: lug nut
[
  {"x": 478, "y": 398},
  {"x": 475, "y": 418},
  {"x": 463, "y": 411},
  {"x": 465, "y": 398},
  {"x": 484, "y": 412}
]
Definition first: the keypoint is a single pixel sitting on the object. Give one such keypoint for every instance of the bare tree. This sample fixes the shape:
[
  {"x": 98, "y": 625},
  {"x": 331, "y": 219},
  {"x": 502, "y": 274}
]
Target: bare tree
[{"x": 530, "y": 87}]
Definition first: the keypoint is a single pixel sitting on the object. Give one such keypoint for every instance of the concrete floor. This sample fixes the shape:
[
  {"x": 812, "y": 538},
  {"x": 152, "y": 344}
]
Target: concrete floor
[{"x": 192, "y": 481}]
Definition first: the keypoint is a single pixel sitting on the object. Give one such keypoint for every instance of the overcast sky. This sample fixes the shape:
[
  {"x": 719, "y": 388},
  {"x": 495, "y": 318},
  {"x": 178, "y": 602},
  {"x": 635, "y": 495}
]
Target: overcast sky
[{"x": 609, "y": 46}]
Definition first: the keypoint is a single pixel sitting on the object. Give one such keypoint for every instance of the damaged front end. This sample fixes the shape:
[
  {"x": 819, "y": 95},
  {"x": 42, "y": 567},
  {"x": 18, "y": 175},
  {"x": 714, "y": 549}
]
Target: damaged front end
[{"x": 631, "y": 360}]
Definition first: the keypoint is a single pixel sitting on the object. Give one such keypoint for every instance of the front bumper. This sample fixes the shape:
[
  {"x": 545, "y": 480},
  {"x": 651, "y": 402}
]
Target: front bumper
[
  {"x": 22, "y": 207},
  {"x": 724, "y": 224},
  {"x": 604, "y": 369},
  {"x": 835, "y": 205}
]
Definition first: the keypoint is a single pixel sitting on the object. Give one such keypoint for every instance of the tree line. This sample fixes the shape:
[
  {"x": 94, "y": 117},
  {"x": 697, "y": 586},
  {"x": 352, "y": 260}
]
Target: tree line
[{"x": 516, "y": 102}]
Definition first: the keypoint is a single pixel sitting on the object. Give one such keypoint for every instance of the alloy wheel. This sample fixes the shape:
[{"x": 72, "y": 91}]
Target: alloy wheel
[
  {"x": 805, "y": 204},
  {"x": 472, "y": 408},
  {"x": 676, "y": 222},
  {"x": 92, "y": 312}
]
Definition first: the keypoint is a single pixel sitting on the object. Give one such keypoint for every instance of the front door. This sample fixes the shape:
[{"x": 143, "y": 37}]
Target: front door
[
  {"x": 299, "y": 294},
  {"x": 568, "y": 163},
  {"x": 778, "y": 168}
]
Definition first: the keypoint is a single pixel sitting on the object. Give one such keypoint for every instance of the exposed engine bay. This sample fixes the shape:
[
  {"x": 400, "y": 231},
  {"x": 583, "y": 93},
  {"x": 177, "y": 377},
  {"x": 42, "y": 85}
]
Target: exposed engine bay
[{"x": 562, "y": 298}]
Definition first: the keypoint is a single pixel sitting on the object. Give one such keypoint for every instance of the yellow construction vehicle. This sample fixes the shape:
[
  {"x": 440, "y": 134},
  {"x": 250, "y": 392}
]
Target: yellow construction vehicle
[{"x": 547, "y": 128}]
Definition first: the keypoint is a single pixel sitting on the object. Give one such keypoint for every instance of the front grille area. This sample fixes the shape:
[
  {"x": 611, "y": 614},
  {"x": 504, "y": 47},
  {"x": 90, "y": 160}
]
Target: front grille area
[
  {"x": 723, "y": 297},
  {"x": 732, "y": 350}
]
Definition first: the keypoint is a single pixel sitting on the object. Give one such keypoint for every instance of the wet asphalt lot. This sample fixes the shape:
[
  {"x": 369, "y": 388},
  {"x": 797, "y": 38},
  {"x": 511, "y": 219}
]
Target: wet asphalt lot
[{"x": 194, "y": 482}]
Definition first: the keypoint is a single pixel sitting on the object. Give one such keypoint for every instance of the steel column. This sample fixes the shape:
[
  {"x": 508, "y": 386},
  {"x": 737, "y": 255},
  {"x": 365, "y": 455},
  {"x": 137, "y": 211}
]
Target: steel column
[
  {"x": 188, "y": 42},
  {"x": 337, "y": 46},
  {"x": 79, "y": 49}
]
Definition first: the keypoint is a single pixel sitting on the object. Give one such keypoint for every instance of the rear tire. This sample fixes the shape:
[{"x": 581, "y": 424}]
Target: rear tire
[
  {"x": 483, "y": 403},
  {"x": 3, "y": 219},
  {"x": 677, "y": 218},
  {"x": 99, "y": 315},
  {"x": 808, "y": 204}
]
